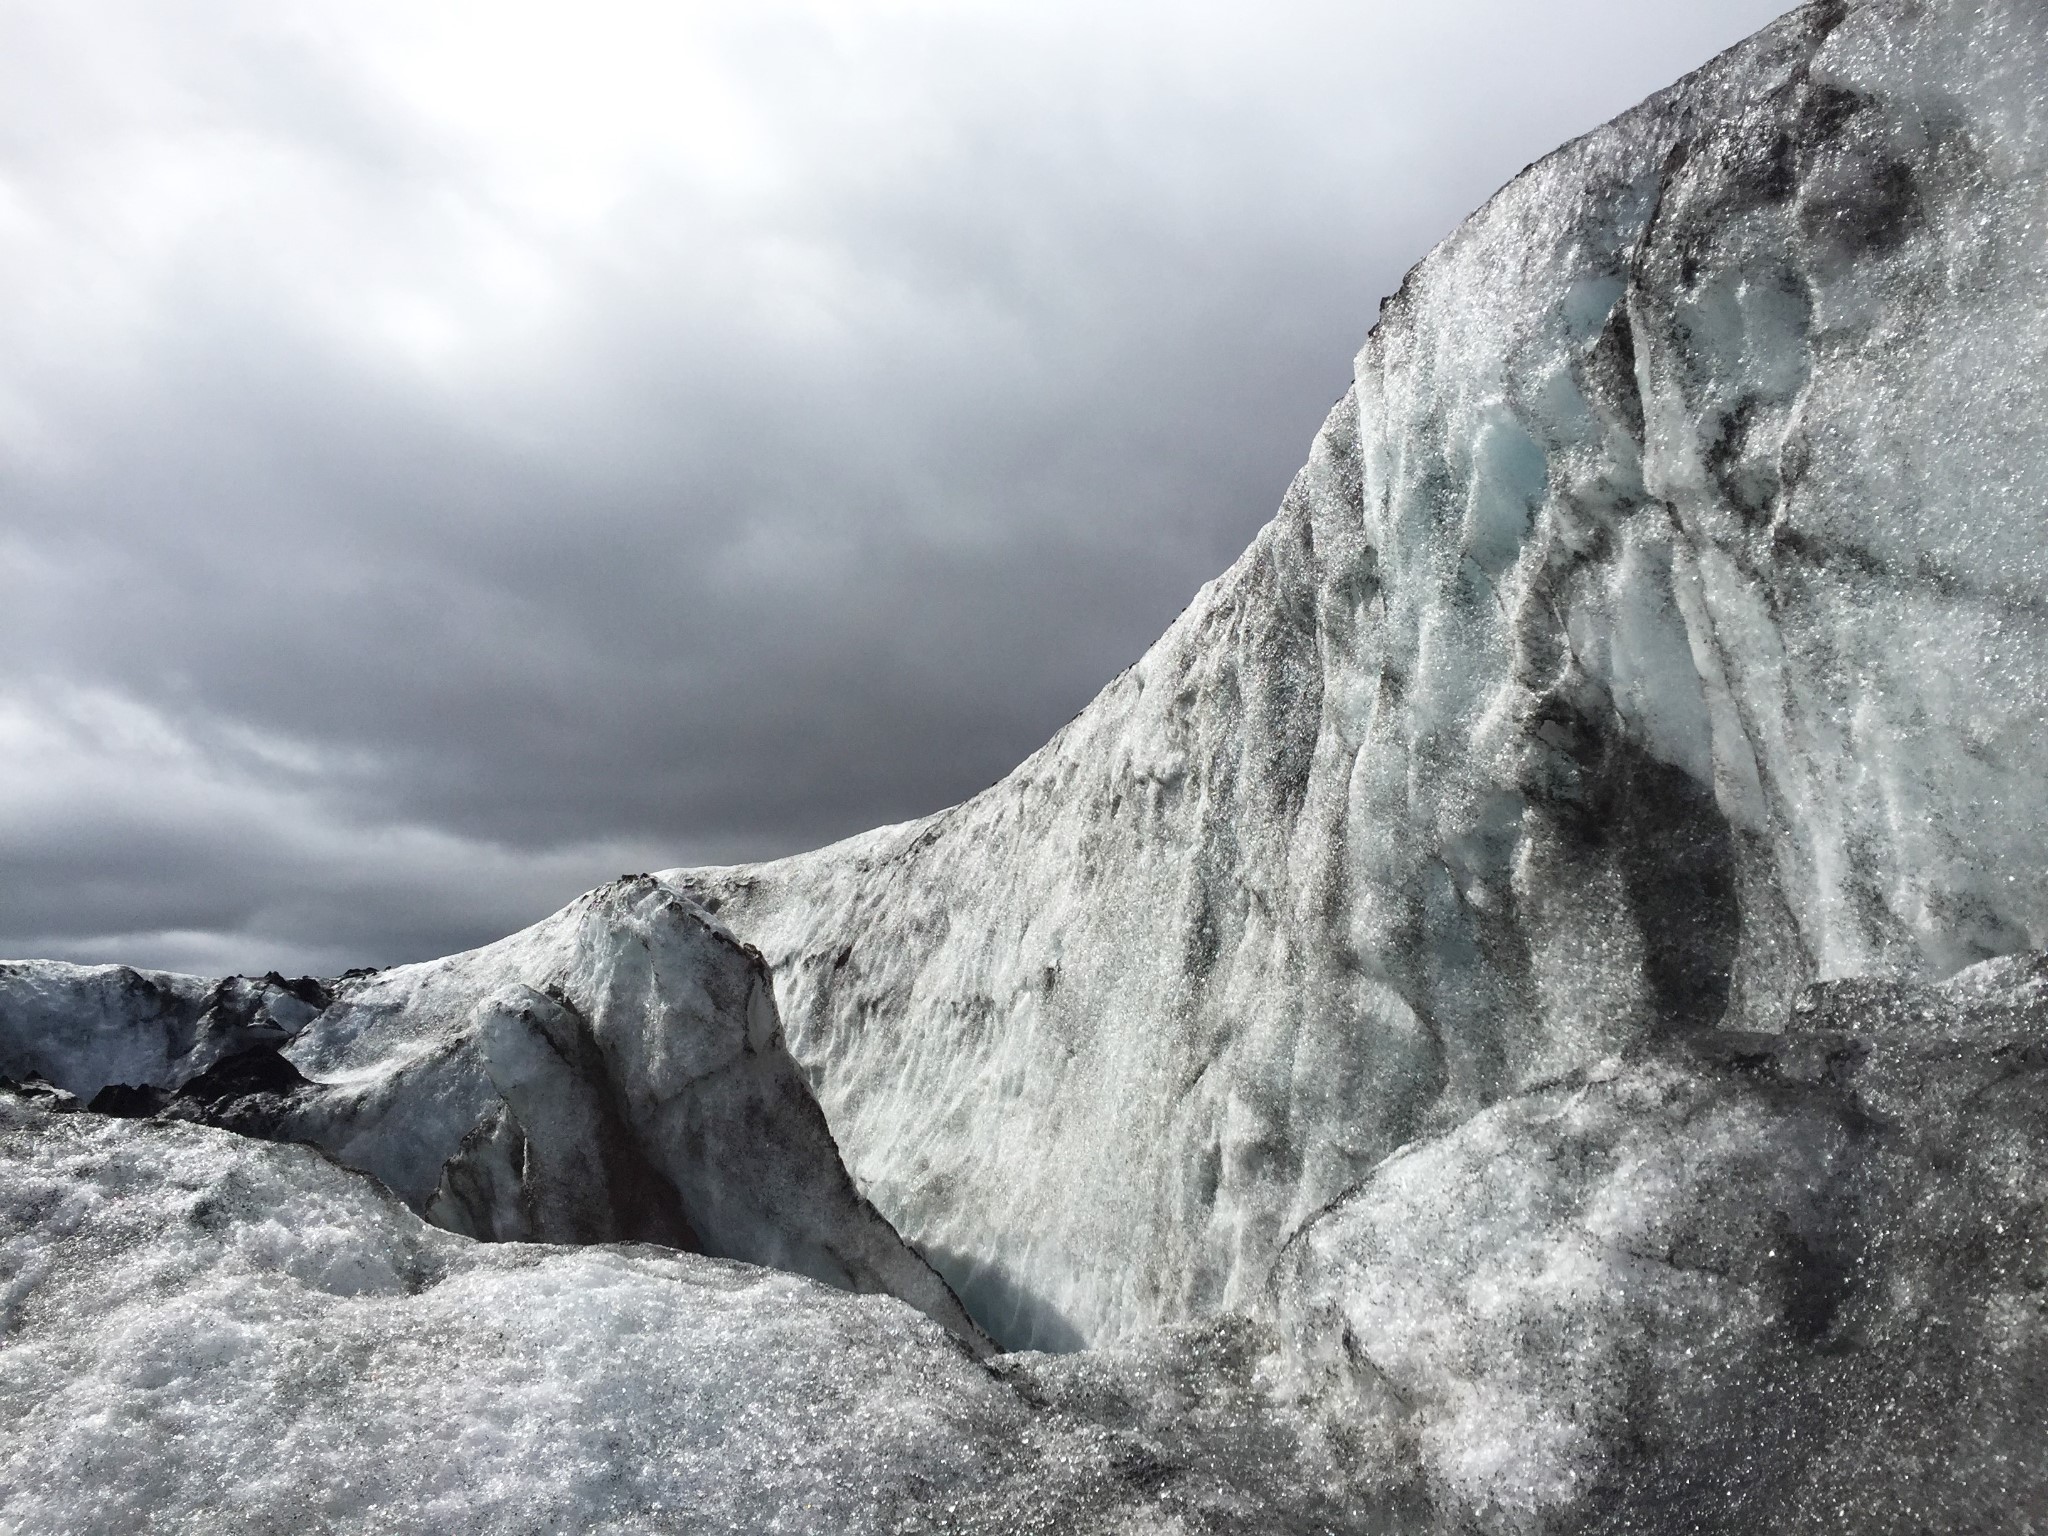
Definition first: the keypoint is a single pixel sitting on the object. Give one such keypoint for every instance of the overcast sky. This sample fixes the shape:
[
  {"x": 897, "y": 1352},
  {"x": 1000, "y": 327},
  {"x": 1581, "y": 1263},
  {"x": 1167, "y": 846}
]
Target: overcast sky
[{"x": 454, "y": 452}]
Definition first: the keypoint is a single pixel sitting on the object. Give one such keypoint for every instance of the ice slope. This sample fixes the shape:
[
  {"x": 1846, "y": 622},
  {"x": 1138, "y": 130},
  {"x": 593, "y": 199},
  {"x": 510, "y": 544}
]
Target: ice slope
[
  {"x": 1659, "y": 624},
  {"x": 615, "y": 1071}
]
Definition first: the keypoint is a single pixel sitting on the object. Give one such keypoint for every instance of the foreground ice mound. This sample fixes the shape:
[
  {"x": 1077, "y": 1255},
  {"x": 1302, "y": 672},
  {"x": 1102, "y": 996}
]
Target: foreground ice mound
[
  {"x": 1660, "y": 624},
  {"x": 616, "y": 1071},
  {"x": 1770, "y": 1282},
  {"x": 204, "y": 1332}
]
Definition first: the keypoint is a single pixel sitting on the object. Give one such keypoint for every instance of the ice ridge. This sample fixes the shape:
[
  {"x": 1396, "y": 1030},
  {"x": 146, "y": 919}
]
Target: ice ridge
[
  {"x": 614, "y": 1073},
  {"x": 1660, "y": 624}
]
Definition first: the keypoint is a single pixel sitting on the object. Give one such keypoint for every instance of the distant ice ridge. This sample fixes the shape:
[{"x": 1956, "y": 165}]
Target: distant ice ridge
[
  {"x": 614, "y": 1072},
  {"x": 1659, "y": 624}
]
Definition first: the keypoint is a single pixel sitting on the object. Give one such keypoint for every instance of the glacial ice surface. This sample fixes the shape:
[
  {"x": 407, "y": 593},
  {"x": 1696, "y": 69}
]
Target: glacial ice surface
[
  {"x": 1525, "y": 1012},
  {"x": 1787, "y": 1282},
  {"x": 1771, "y": 1282}
]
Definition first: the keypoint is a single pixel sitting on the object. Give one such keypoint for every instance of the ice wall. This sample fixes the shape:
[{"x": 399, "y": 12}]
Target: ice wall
[{"x": 1660, "y": 623}]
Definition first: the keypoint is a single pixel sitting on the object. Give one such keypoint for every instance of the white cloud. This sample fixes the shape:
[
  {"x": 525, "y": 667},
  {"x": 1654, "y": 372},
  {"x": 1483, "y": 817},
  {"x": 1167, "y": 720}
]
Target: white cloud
[{"x": 232, "y": 827}]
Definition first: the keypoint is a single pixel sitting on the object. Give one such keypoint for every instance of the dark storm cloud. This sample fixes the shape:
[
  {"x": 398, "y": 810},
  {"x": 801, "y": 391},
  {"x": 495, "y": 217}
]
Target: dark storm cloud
[{"x": 445, "y": 465}]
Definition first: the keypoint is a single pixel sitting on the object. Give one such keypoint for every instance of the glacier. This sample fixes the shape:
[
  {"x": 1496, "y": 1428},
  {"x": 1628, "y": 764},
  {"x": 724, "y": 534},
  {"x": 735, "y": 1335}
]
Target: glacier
[
  {"x": 1660, "y": 624},
  {"x": 1525, "y": 1011}
]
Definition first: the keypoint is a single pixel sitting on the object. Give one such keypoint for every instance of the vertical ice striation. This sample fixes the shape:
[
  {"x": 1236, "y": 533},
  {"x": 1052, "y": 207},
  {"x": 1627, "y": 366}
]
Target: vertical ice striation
[{"x": 1660, "y": 624}]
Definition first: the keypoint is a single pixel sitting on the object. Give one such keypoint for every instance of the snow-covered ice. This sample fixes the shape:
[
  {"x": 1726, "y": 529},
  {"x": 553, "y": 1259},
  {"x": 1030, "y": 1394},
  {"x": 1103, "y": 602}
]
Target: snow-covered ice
[{"x": 206, "y": 1332}]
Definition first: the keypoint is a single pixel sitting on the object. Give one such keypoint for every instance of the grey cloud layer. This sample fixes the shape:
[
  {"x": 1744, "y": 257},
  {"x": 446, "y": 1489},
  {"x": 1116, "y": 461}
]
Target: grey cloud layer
[{"x": 429, "y": 487}]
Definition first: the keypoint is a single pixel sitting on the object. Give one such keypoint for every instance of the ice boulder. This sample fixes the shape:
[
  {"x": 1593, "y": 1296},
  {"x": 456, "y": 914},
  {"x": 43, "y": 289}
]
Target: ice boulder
[
  {"x": 614, "y": 1072},
  {"x": 1768, "y": 1282}
]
